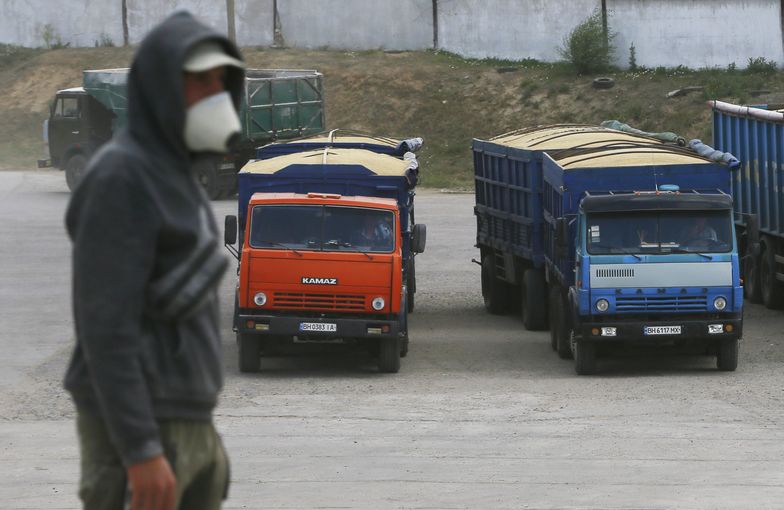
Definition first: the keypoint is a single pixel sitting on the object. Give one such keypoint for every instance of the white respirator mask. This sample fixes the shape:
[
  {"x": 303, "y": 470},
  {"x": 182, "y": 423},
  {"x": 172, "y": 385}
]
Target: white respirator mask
[{"x": 211, "y": 124}]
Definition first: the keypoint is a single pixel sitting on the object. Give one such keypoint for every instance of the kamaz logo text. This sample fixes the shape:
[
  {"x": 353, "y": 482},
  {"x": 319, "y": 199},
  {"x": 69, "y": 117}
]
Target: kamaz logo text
[{"x": 307, "y": 280}]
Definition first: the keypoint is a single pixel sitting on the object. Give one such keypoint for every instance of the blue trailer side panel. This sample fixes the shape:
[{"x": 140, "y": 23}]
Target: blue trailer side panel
[
  {"x": 508, "y": 184},
  {"x": 758, "y": 188}
]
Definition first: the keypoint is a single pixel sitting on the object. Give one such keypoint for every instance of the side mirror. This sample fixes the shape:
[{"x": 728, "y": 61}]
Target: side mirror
[
  {"x": 230, "y": 232},
  {"x": 419, "y": 238}
]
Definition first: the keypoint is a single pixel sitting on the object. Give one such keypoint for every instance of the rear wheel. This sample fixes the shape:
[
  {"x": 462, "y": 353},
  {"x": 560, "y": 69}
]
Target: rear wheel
[
  {"x": 727, "y": 355},
  {"x": 751, "y": 279},
  {"x": 772, "y": 289},
  {"x": 389, "y": 355},
  {"x": 207, "y": 175},
  {"x": 563, "y": 332},
  {"x": 534, "y": 306},
  {"x": 411, "y": 284},
  {"x": 249, "y": 352},
  {"x": 494, "y": 291},
  {"x": 554, "y": 316},
  {"x": 74, "y": 170}
]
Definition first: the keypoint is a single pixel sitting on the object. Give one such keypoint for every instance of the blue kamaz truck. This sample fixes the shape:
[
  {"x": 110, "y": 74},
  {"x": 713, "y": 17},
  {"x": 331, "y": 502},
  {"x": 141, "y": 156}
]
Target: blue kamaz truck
[{"x": 607, "y": 237}]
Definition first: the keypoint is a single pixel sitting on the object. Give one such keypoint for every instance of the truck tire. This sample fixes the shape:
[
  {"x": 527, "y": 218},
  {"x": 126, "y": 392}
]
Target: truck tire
[
  {"x": 534, "y": 302},
  {"x": 772, "y": 289},
  {"x": 727, "y": 355},
  {"x": 751, "y": 279},
  {"x": 389, "y": 355},
  {"x": 411, "y": 284},
  {"x": 494, "y": 291},
  {"x": 563, "y": 345},
  {"x": 584, "y": 357},
  {"x": 207, "y": 175},
  {"x": 553, "y": 316},
  {"x": 404, "y": 327},
  {"x": 249, "y": 352},
  {"x": 74, "y": 170}
]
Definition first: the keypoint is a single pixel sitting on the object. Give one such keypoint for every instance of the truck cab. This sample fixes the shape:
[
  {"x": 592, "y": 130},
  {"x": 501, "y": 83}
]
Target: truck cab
[
  {"x": 321, "y": 267},
  {"x": 657, "y": 268},
  {"x": 78, "y": 124}
]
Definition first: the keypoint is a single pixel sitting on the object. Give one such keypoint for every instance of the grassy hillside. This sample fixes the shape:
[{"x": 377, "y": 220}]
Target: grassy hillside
[{"x": 443, "y": 98}]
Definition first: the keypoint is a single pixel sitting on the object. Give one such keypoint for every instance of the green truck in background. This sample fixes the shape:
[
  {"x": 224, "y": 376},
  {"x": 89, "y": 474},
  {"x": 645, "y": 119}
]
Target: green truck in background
[{"x": 276, "y": 104}]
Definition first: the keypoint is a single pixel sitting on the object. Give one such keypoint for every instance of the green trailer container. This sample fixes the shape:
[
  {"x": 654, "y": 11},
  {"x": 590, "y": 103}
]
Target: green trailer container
[{"x": 276, "y": 104}]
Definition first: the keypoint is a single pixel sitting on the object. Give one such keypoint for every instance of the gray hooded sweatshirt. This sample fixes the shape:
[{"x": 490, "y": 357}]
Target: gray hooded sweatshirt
[{"x": 147, "y": 260}]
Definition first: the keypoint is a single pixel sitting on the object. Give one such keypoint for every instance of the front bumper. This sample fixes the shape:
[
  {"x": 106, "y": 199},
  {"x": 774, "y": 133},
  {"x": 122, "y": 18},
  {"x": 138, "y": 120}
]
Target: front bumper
[
  {"x": 633, "y": 331},
  {"x": 275, "y": 325}
]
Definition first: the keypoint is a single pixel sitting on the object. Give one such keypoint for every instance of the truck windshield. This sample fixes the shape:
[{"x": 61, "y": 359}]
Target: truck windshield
[
  {"x": 656, "y": 232},
  {"x": 322, "y": 228}
]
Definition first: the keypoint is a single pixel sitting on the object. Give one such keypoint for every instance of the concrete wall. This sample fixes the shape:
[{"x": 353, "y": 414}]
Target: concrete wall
[
  {"x": 76, "y": 22},
  {"x": 696, "y": 33},
  {"x": 145, "y": 14},
  {"x": 357, "y": 24},
  {"x": 254, "y": 21},
  {"x": 510, "y": 29}
]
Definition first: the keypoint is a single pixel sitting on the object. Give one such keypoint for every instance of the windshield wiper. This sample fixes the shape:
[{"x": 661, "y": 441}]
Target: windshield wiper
[
  {"x": 344, "y": 244},
  {"x": 628, "y": 251},
  {"x": 681, "y": 250},
  {"x": 275, "y": 243}
]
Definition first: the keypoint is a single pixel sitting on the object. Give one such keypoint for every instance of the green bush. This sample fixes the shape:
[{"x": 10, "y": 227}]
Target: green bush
[
  {"x": 760, "y": 65},
  {"x": 588, "y": 47}
]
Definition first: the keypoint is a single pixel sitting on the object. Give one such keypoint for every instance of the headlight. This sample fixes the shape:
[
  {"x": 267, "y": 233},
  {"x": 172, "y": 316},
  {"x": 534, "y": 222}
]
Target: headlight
[
  {"x": 602, "y": 305},
  {"x": 260, "y": 299},
  {"x": 378, "y": 303},
  {"x": 719, "y": 303}
]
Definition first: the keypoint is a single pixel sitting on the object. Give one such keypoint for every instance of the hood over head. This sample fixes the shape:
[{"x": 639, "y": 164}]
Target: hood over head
[{"x": 156, "y": 100}]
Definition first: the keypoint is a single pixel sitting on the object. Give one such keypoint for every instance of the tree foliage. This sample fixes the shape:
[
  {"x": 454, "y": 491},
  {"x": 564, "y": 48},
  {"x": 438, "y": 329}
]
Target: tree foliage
[{"x": 589, "y": 47}]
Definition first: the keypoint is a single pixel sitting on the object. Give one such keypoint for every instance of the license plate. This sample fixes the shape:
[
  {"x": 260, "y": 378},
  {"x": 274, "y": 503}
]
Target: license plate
[
  {"x": 327, "y": 327},
  {"x": 662, "y": 330}
]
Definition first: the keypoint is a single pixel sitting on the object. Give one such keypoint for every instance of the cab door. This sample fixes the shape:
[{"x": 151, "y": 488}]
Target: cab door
[{"x": 65, "y": 125}]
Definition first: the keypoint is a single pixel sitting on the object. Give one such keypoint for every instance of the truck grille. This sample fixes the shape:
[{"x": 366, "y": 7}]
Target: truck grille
[
  {"x": 626, "y": 272},
  {"x": 698, "y": 303},
  {"x": 309, "y": 301}
]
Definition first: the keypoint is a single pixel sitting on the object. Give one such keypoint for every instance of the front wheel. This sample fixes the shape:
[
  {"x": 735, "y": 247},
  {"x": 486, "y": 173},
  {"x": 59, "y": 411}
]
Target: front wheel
[
  {"x": 389, "y": 355},
  {"x": 727, "y": 356},
  {"x": 584, "y": 357},
  {"x": 249, "y": 352},
  {"x": 74, "y": 170}
]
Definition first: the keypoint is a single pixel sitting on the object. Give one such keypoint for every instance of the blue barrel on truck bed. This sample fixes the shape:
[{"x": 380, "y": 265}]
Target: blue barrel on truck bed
[
  {"x": 614, "y": 241},
  {"x": 756, "y": 137}
]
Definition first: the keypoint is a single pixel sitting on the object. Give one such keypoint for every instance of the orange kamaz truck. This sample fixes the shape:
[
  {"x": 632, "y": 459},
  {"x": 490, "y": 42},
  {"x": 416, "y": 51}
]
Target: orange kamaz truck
[{"x": 326, "y": 251}]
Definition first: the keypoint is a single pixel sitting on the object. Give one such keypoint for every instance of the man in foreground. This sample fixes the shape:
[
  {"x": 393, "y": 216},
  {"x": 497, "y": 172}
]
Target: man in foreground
[{"x": 147, "y": 370}]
